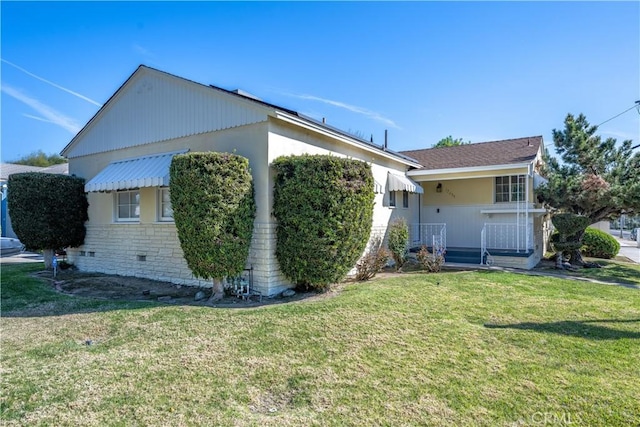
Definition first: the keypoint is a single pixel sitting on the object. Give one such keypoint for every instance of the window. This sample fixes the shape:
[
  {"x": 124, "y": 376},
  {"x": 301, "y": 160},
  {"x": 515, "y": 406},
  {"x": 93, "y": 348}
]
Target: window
[
  {"x": 393, "y": 199},
  {"x": 165, "y": 211},
  {"x": 128, "y": 205},
  {"x": 510, "y": 188}
]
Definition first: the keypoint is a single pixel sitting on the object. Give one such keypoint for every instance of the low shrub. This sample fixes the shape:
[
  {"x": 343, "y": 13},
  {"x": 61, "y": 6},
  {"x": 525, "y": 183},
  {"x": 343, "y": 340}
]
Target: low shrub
[
  {"x": 599, "y": 244},
  {"x": 373, "y": 261},
  {"x": 429, "y": 261},
  {"x": 398, "y": 241}
]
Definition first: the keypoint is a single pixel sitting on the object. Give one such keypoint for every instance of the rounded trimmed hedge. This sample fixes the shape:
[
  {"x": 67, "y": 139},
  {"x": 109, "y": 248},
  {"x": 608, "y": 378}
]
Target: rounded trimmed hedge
[
  {"x": 48, "y": 211},
  {"x": 324, "y": 208},
  {"x": 599, "y": 244},
  {"x": 213, "y": 208}
]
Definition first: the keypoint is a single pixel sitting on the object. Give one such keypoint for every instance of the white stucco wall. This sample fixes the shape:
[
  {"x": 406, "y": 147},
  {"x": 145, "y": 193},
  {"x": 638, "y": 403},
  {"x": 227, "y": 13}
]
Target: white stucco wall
[{"x": 286, "y": 140}]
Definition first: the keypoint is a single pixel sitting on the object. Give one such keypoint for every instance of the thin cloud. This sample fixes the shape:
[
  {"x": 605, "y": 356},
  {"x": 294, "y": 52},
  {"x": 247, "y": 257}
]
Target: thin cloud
[
  {"x": 141, "y": 50},
  {"x": 619, "y": 135},
  {"x": 52, "y": 83},
  {"x": 47, "y": 113},
  {"x": 353, "y": 108},
  {"x": 41, "y": 119}
]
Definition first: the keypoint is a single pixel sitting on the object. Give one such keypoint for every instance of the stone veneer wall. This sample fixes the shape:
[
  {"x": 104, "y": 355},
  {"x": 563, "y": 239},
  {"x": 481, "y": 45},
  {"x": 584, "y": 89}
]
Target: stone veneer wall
[{"x": 153, "y": 251}]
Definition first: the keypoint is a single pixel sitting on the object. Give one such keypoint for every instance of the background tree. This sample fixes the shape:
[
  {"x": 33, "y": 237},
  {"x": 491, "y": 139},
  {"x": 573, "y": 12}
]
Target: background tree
[
  {"x": 213, "y": 209},
  {"x": 48, "y": 211},
  {"x": 450, "y": 142},
  {"x": 39, "y": 158},
  {"x": 596, "y": 179}
]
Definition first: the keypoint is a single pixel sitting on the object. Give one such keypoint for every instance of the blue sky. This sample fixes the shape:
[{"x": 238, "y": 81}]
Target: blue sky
[{"x": 479, "y": 71}]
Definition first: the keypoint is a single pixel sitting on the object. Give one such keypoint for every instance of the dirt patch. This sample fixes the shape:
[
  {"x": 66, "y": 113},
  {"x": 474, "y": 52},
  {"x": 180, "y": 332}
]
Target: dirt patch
[{"x": 125, "y": 288}]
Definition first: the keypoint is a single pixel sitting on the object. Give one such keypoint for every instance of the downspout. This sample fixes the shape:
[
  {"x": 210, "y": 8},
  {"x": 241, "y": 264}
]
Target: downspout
[
  {"x": 529, "y": 177},
  {"x": 419, "y": 211}
]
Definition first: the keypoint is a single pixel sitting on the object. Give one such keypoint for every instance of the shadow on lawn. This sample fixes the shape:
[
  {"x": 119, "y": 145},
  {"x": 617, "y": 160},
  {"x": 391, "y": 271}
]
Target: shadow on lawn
[{"x": 587, "y": 329}]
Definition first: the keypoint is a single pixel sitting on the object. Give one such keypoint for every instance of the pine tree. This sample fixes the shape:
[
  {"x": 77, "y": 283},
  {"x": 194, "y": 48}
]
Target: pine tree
[{"x": 598, "y": 179}]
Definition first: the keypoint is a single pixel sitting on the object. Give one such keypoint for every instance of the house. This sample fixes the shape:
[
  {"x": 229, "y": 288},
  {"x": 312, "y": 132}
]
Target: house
[
  {"x": 7, "y": 169},
  {"x": 476, "y": 201},
  {"x": 482, "y": 195},
  {"x": 125, "y": 150}
]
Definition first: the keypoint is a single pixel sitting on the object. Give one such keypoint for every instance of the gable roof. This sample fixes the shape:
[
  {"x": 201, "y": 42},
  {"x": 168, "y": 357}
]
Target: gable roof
[
  {"x": 246, "y": 109},
  {"x": 505, "y": 152}
]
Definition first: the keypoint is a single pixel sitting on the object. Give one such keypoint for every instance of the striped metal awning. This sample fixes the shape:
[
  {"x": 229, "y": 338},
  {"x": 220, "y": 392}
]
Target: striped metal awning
[
  {"x": 402, "y": 183},
  {"x": 378, "y": 188},
  {"x": 138, "y": 172}
]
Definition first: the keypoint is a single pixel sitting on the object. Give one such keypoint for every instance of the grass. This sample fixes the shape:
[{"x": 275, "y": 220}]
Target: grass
[
  {"x": 613, "y": 271},
  {"x": 457, "y": 348}
]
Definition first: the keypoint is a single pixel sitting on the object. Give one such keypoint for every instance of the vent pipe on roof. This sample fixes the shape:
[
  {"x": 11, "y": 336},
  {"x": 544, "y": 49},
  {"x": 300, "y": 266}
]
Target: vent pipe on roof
[
  {"x": 386, "y": 139},
  {"x": 324, "y": 120}
]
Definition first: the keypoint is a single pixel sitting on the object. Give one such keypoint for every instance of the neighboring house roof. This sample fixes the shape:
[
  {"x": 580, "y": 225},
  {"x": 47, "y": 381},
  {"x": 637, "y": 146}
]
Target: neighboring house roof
[
  {"x": 7, "y": 169},
  {"x": 216, "y": 117},
  {"x": 59, "y": 169},
  {"x": 505, "y": 152}
]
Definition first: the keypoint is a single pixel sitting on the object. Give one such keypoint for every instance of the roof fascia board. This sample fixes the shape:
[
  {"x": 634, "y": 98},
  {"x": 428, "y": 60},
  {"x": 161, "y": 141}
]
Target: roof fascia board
[
  {"x": 299, "y": 121},
  {"x": 430, "y": 173}
]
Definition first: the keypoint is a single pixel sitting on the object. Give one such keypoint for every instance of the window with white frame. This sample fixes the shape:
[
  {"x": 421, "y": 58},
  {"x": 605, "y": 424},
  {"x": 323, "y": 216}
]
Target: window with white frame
[
  {"x": 128, "y": 205},
  {"x": 165, "y": 211},
  {"x": 392, "y": 199},
  {"x": 405, "y": 199},
  {"x": 510, "y": 188}
]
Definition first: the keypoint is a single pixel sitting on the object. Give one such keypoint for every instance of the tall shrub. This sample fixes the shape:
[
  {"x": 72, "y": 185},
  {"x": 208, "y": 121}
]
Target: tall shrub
[
  {"x": 213, "y": 209},
  {"x": 399, "y": 241},
  {"x": 324, "y": 208},
  {"x": 47, "y": 211}
]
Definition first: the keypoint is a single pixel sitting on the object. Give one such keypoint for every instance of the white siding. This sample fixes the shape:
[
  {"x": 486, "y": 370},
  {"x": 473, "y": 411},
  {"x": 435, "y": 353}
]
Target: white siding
[
  {"x": 465, "y": 222},
  {"x": 154, "y": 106}
]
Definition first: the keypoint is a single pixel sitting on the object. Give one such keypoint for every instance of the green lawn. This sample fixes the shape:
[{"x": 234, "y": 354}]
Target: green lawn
[
  {"x": 456, "y": 348},
  {"x": 614, "y": 271}
]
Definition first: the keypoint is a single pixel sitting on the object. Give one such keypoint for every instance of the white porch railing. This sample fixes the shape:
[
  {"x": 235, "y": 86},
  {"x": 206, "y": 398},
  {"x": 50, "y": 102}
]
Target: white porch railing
[
  {"x": 428, "y": 234},
  {"x": 504, "y": 236}
]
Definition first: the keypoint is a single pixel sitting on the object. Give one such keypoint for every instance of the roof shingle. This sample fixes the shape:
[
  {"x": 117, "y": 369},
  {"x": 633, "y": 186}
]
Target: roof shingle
[{"x": 508, "y": 151}]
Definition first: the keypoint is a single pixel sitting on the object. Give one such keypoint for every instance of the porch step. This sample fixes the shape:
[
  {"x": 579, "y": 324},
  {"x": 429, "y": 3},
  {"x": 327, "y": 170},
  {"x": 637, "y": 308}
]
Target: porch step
[
  {"x": 463, "y": 255},
  {"x": 472, "y": 255}
]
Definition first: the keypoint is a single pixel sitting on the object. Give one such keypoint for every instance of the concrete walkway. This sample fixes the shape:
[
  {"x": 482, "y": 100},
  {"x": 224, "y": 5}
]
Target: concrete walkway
[
  {"x": 21, "y": 258},
  {"x": 628, "y": 247}
]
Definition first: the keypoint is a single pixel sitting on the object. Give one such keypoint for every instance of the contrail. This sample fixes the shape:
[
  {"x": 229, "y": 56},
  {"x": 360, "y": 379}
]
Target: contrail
[
  {"x": 52, "y": 83},
  {"x": 50, "y": 114},
  {"x": 353, "y": 108}
]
